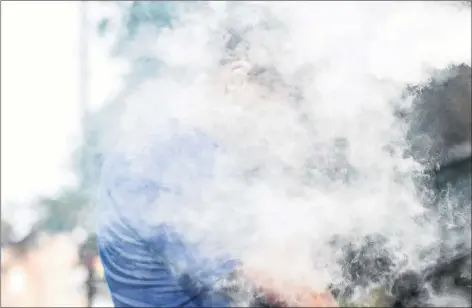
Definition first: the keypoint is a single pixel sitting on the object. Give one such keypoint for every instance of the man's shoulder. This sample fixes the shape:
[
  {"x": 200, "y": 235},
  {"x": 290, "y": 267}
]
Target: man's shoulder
[
  {"x": 132, "y": 181},
  {"x": 157, "y": 158}
]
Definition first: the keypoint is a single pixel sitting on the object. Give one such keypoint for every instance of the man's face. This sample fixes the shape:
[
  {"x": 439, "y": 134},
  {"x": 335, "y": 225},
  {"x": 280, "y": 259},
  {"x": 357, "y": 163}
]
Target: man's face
[{"x": 249, "y": 84}]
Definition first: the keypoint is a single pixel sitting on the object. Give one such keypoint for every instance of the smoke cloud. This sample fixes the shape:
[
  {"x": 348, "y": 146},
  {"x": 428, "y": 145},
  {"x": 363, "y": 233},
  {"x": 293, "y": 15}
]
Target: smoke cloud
[{"x": 298, "y": 103}]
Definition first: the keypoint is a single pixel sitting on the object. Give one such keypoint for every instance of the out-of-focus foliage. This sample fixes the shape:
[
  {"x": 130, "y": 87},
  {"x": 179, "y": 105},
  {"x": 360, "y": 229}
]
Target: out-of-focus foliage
[
  {"x": 158, "y": 14},
  {"x": 137, "y": 16},
  {"x": 6, "y": 231},
  {"x": 75, "y": 206},
  {"x": 61, "y": 212}
]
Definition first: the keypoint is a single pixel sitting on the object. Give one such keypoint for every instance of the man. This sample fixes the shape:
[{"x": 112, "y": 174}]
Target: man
[
  {"x": 143, "y": 261},
  {"x": 138, "y": 267}
]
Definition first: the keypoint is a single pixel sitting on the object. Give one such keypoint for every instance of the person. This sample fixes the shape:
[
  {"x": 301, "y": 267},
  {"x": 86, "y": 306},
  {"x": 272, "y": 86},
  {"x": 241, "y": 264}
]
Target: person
[
  {"x": 87, "y": 256},
  {"x": 140, "y": 258}
]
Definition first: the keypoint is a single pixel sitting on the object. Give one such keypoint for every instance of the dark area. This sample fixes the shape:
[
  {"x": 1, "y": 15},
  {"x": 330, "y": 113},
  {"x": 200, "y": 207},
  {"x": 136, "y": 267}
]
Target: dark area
[
  {"x": 87, "y": 253},
  {"x": 439, "y": 121},
  {"x": 441, "y": 116}
]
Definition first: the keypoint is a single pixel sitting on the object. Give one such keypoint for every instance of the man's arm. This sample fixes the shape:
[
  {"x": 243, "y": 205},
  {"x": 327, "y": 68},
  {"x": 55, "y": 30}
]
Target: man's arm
[
  {"x": 138, "y": 266},
  {"x": 137, "y": 274},
  {"x": 136, "y": 278},
  {"x": 137, "y": 257}
]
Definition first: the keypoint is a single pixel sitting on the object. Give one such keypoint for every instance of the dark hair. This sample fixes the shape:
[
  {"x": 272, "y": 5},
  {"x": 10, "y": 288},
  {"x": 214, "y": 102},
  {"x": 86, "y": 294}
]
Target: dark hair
[{"x": 441, "y": 116}]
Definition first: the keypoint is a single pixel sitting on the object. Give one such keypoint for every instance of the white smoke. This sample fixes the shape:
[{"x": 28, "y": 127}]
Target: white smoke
[{"x": 317, "y": 155}]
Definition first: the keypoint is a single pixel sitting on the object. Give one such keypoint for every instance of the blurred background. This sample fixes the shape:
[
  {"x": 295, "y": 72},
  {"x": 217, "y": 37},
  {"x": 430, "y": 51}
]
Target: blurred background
[{"x": 63, "y": 67}]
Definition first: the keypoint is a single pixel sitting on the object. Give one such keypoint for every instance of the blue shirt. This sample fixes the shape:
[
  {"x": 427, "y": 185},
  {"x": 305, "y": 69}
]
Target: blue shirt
[{"x": 138, "y": 256}]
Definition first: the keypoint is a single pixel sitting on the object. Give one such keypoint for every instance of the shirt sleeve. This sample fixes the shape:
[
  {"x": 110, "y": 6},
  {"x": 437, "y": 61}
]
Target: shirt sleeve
[
  {"x": 137, "y": 274},
  {"x": 138, "y": 267}
]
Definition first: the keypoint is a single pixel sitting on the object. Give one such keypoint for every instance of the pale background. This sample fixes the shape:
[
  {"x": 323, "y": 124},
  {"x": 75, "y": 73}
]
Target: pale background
[{"x": 40, "y": 126}]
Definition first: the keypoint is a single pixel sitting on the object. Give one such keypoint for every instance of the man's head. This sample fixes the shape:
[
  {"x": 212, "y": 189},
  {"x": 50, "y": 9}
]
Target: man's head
[{"x": 246, "y": 79}]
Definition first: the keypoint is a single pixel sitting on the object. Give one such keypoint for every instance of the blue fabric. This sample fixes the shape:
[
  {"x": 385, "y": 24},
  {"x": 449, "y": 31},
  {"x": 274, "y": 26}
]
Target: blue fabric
[{"x": 138, "y": 257}]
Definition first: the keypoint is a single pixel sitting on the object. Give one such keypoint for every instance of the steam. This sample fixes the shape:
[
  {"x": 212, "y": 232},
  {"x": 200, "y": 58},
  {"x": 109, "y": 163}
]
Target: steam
[{"x": 309, "y": 148}]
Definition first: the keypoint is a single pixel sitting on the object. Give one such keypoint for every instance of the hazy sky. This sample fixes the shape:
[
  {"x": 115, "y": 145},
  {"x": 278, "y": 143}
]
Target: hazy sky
[{"x": 40, "y": 111}]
